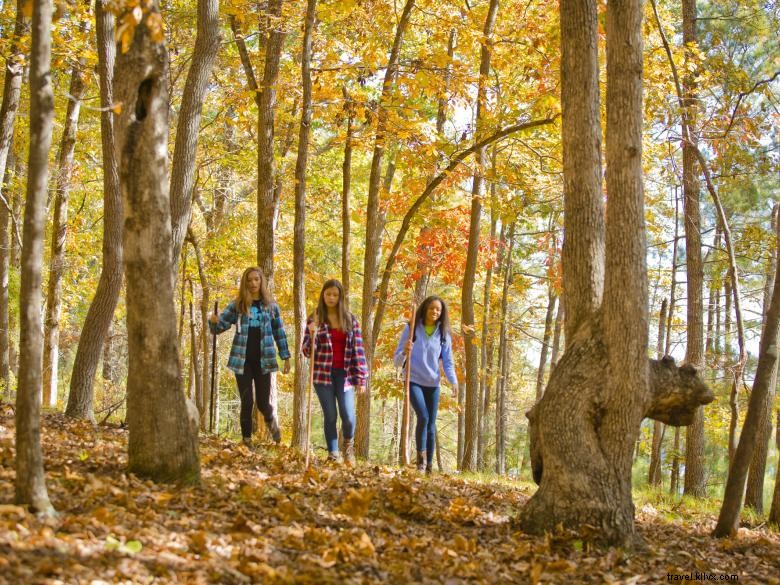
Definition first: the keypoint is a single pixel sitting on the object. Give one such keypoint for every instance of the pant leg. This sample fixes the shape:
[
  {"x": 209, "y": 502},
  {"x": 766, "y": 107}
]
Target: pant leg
[
  {"x": 417, "y": 400},
  {"x": 263, "y": 394},
  {"x": 432, "y": 404},
  {"x": 245, "y": 382},
  {"x": 327, "y": 400},
  {"x": 345, "y": 399}
]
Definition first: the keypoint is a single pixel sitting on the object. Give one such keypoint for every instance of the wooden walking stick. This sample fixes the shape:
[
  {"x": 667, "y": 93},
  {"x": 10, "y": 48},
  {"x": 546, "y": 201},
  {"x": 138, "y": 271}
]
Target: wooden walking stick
[
  {"x": 405, "y": 428},
  {"x": 313, "y": 339},
  {"x": 212, "y": 406}
]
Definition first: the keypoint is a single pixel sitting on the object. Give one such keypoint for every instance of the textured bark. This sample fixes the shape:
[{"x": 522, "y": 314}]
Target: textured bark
[
  {"x": 728, "y": 520},
  {"x": 183, "y": 169},
  {"x": 203, "y": 401},
  {"x": 503, "y": 367},
  {"x": 556, "y": 345},
  {"x": 486, "y": 342},
  {"x": 162, "y": 442},
  {"x": 101, "y": 310},
  {"x": 299, "y": 435},
  {"x": 754, "y": 493},
  {"x": 373, "y": 231},
  {"x": 30, "y": 478},
  {"x": 581, "y": 137},
  {"x": 267, "y": 203},
  {"x": 51, "y": 345},
  {"x": 469, "y": 274},
  {"x": 654, "y": 475},
  {"x": 585, "y": 426}
]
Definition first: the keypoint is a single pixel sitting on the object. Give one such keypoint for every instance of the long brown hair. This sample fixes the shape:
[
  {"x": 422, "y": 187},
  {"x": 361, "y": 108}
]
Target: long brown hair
[
  {"x": 244, "y": 297},
  {"x": 344, "y": 316}
]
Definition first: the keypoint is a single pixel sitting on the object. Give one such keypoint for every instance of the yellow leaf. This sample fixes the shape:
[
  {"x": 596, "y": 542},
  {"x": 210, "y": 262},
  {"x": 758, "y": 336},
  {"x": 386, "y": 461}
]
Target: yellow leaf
[{"x": 117, "y": 108}]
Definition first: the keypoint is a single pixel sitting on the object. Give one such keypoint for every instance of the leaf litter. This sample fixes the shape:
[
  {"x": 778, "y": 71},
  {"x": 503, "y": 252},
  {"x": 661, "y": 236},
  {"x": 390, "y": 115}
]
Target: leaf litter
[{"x": 259, "y": 517}]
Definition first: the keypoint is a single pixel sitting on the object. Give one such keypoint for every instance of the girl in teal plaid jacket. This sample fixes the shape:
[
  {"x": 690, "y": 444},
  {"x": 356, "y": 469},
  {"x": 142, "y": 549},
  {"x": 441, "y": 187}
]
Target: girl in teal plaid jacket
[{"x": 252, "y": 355}]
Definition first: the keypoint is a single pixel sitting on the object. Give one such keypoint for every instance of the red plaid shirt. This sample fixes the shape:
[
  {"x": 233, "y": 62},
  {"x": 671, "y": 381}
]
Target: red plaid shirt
[{"x": 354, "y": 355}]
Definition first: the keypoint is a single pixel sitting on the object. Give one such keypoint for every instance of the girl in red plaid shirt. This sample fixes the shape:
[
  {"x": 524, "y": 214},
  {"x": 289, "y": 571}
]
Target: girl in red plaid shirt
[{"x": 339, "y": 366}]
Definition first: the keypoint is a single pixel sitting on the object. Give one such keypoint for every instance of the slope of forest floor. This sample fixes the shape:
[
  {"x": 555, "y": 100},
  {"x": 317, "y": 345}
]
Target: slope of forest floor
[{"x": 257, "y": 518}]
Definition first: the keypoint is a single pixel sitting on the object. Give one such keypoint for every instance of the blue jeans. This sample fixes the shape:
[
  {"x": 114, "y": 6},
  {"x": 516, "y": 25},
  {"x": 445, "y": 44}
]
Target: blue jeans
[
  {"x": 425, "y": 401},
  {"x": 332, "y": 396}
]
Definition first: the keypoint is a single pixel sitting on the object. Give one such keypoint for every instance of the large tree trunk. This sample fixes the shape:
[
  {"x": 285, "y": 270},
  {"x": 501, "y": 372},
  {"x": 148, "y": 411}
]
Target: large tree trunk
[
  {"x": 51, "y": 345},
  {"x": 162, "y": 442},
  {"x": 30, "y": 479},
  {"x": 373, "y": 231},
  {"x": 188, "y": 124},
  {"x": 695, "y": 470},
  {"x": 728, "y": 521},
  {"x": 267, "y": 203},
  {"x": 101, "y": 311},
  {"x": 467, "y": 297},
  {"x": 585, "y": 426},
  {"x": 300, "y": 439},
  {"x": 754, "y": 494}
]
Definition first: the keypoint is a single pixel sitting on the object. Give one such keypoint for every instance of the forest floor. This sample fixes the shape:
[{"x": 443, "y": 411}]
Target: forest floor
[{"x": 258, "y": 518}]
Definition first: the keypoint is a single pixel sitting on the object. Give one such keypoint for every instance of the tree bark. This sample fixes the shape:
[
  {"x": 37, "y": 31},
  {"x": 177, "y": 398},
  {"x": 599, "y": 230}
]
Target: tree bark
[
  {"x": 469, "y": 275},
  {"x": 207, "y": 42},
  {"x": 267, "y": 203},
  {"x": 346, "y": 190},
  {"x": 548, "y": 326},
  {"x": 754, "y": 494},
  {"x": 51, "y": 344},
  {"x": 300, "y": 439},
  {"x": 556, "y": 345},
  {"x": 373, "y": 232},
  {"x": 503, "y": 360},
  {"x": 5, "y": 265},
  {"x": 774, "y": 511},
  {"x": 30, "y": 478},
  {"x": 162, "y": 442},
  {"x": 101, "y": 310},
  {"x": 728, "y": 520}
]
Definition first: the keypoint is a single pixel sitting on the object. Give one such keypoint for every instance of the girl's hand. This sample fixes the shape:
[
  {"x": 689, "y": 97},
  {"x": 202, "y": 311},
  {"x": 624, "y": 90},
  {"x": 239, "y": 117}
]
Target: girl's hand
[
  {"x": 409, "y": 345},
  {"x": 213, "y": 318},
  {"x": 361, "y": 387},
  {"x": 454, "y": 391},
  {"x": 313, "y": 328},
  {"x": 286, "y": 367}
]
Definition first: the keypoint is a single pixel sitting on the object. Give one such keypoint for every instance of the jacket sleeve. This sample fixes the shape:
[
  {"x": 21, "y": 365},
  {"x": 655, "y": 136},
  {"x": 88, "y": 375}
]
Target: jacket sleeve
[
  {"x": 279, "y": 335},
  {"x": 306, "y": 343},
  {"x": 358, "y": 369},
  {"x": 448, "y": 363},
  {"x": 228, "y": 317},
  {"x": 400, "y": 352}
]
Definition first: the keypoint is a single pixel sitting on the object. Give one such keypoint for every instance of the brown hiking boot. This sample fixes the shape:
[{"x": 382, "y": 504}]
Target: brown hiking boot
[
  {"x": 333, "y": 457},
  {"x": 421, "y": 460},
  {"x": 273, "y": 428},
  {"x": 349, "y": 452}
]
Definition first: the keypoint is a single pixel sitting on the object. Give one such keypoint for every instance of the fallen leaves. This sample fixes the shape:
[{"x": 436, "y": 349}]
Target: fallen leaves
[{"x": 258, "y": 517}]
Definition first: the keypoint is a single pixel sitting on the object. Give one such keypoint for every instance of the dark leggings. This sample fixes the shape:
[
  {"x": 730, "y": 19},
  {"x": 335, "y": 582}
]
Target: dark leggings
[{"x": 262, "y": 397}]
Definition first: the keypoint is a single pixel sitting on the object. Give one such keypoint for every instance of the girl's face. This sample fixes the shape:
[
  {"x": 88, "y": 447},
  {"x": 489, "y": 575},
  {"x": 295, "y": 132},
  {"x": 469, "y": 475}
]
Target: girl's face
[
  {"x": 331, "y": 297},
  {"x": 433, "y": 312},
  {"x": 253, "y": 281}
]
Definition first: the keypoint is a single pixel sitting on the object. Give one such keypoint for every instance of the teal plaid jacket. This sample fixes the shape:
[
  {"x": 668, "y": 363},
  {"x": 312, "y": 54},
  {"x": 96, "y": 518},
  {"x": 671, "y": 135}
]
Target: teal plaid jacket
[{"x": 272, "y": 330}]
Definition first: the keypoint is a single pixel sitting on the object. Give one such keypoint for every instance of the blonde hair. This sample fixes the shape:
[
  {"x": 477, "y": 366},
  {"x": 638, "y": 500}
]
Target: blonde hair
[{"x": 244, "y": 297}]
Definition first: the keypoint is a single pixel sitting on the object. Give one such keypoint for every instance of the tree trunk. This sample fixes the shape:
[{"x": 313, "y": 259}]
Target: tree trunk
[
  {"x": 654, "y": 473},
  {"x": 548, "y": 326},
  {"x": 728, "y": 521},
  {"x": 202, "y": 401},
  {"x": 556, "y": 345},
  {"x": 162, "y": 442},
  {"x": 346, "y": 193},
  {"x": 469, "y": 275},
  {"x": 101, "y": 311},
  {"x": 267, "y": 204},
  {"x": 183, "y": 168},
  {"x": 774, "y": 511},
  {"x": 300, "y": 439},
  {"x": 754, "y": 494},
  {"x": 373, "y": 232},
  {"x": 30, "y": 478},
  {"x": 5, "y": 242},
  {"x": 503, "y": 365},
  {"x": 585, "y": 426},
  {"x": 51, "y": 344}
]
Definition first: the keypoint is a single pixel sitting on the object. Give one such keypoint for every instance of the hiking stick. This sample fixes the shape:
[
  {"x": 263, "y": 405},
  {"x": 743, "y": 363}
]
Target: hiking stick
[
  {"x": 212, "y": 406},
  {"x": 313, "y": 339},
  {"x": 405, "y": 429}
]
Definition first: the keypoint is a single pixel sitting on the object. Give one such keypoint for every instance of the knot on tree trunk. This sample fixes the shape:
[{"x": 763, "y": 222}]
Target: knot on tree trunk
[{"x": 675, "y": 392}]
